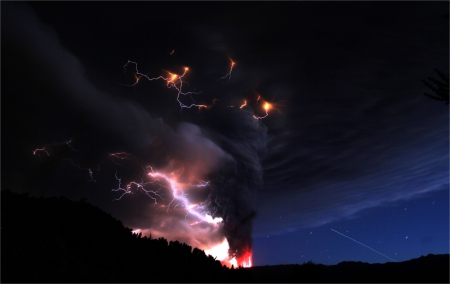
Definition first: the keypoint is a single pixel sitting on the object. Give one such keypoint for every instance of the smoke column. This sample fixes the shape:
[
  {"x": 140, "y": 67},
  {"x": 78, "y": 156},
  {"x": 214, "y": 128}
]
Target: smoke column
[{"x": 234, "y": 185}]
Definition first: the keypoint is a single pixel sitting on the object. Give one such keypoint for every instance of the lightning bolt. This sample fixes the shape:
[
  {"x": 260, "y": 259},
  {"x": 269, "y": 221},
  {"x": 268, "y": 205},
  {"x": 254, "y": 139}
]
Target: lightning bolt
[
  {"x": 48, "y": 149},
  {"x": 229, "y": 73},
  {"x": 166, "y": 182},
  {"x": 140, "y": 186},
  {"x": 174, "y": 81},
  {"x": 266, "y": 107},
  {"x": 180, "y": 196}
]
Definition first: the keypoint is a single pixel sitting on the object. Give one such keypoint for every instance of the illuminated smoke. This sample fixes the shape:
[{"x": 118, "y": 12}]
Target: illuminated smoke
[
  {"x": 233, "y": 185},
  {"x": 221, "y": 145}
]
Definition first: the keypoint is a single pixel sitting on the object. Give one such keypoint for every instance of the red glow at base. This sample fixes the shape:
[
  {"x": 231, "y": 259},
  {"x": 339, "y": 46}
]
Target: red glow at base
[
  {"x": 220, "y": 252},
  {"x": 245, "y": 260}
]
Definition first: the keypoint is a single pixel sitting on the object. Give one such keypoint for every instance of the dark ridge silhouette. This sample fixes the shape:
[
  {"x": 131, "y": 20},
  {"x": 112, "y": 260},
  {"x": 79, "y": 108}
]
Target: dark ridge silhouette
[
  {"x": 59, "y": 240},
  {"x": 425, "y": 269}
]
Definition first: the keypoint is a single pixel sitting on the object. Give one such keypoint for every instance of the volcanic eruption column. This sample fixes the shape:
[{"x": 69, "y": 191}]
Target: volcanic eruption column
[
  {"x": 229, "y": 205},
  {"x": 234, "y": 184},
  {"x": 233, "y": 187}
]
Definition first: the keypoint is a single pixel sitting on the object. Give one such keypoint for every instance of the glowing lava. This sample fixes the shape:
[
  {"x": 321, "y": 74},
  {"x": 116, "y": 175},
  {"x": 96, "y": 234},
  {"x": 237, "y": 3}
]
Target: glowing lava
[
  {"x": 220, "y": 252},
  {"x": 245, "y": 260}
]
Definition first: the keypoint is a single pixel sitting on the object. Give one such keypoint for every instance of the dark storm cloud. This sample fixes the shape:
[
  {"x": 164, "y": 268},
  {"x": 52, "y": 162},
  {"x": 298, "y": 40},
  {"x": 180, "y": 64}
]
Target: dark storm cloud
[
  {"x": 365, "y": 138},
  {"x": 62, "y": 71},
  {"x": 355, "y": 131},
  {"x": 147, "y": 137}
]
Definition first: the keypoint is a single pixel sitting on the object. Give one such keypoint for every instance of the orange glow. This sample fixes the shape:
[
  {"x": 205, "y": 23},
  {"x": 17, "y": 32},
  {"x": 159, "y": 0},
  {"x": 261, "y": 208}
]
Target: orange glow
[
  {"x": 245, "y": 260},
  {"x": 171, "y": 79},
  {"x": 220, "y": 251},
  {"x": 233, "y": 262},
  {"x": 244, "y": 104},
  {"x": 208, "y": 106},
  {"x": 267, "y": 106}
]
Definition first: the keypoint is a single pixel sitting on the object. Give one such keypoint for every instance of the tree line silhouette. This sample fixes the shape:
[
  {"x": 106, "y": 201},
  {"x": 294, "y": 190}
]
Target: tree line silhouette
[{"x": 59, "y": 240}]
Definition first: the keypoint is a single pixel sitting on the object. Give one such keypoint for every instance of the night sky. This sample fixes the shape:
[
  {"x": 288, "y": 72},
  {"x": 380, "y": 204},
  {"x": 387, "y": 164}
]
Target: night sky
[{"x": 350, "y": 142}]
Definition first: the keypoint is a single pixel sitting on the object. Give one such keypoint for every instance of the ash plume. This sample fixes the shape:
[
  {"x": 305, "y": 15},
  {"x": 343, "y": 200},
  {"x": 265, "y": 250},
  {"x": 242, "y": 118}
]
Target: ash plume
[{"x": 234, "y": 185}]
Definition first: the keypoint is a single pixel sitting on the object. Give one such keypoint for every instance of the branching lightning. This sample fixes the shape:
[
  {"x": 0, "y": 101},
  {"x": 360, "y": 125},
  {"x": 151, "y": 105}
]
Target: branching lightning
[
  {"x": 173, "y": 81},
  {"x": 47, "y": 148},
  {"x": 140, "y": 186},
  {"x": 229, "y": 73},
  {"x": 180, "y": 196},
  {"x": 167, "y": 182},
  {"x": 164, "y": 181},
  {"x": 266, "y": 107}
]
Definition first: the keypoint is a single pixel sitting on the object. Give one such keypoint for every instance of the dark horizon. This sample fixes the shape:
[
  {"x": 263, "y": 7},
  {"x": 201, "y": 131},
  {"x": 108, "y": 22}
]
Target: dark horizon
[{"x": 74, "y": 241}]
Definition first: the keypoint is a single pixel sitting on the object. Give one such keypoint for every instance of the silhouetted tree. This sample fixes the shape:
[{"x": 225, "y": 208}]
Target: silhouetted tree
[
  {"x": 439, "y": 86},
  {"x": 59, "y": 240}
]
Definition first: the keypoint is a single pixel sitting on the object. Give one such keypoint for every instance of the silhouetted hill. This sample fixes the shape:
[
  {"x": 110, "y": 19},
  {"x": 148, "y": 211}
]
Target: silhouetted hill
[
  {"x": 59, "y": 240},
  {"x": 425, "y": 269}
]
